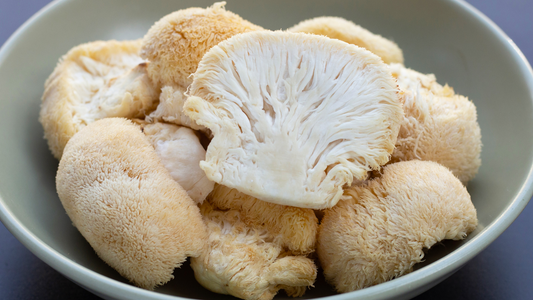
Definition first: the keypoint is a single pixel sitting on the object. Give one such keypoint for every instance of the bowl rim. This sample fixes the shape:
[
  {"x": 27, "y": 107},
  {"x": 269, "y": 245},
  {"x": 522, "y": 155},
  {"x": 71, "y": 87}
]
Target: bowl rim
[{"x": 424, "y": 276}]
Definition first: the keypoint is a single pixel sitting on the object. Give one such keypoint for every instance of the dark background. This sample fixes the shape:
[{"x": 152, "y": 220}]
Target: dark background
[{"x": 502, "y": 271}]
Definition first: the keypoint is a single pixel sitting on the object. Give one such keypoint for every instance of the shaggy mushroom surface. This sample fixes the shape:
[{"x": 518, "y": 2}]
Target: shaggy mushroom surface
[
  {"x": 248, "y": 262},
  {"x": 438, "y": 125},
  {"x": 126, "y": 205},
  {"x": 175, "y": 44},
  {"x": 294, "y": 228},
  {"x": 380, "y": 230}
]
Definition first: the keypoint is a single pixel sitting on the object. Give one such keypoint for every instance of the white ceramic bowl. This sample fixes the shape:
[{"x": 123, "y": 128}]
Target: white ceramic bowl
[{"x": 447, "y": 38}]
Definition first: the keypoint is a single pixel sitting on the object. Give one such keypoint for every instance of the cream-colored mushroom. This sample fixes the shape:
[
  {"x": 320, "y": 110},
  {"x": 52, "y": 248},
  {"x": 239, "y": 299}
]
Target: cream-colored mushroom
[
  {"x": 94, "y": 81},
  {"x": 295, "y": 116},
  {"x": 176, "y": 43},
  {"x": 347, "y": 31},
  {"x": 378, "y": 232},
  {"x": 293, "y": 228},
  {"x": 180, "y": 152},
  {"x": 247, "y": 261},
  {"x": 124, "y": 202},
  {"x": 438, "y": 125}
]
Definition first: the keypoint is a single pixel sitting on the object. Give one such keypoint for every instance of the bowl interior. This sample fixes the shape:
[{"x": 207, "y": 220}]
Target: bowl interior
[{"x": 440, "y": 37}]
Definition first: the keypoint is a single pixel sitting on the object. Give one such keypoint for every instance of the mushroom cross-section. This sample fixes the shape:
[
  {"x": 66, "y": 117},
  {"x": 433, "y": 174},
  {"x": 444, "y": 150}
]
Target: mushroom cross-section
[
  {"x": 97, "y": 80},
  {"x": 294, "y": 116}
]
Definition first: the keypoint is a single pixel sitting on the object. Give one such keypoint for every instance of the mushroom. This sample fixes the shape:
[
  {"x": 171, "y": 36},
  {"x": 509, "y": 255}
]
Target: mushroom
[
  {"x": 347, "y": 31},
  {"x": 247, "y": 261},
  {"x": 175, "y": 44},
  {"x": 381, "y": 229},
  {"x": 126, "y": 205},
  {"x": 438, "y": 125},
  {"x": 295, "y": 116},
  {"x": 94, "y": 81},
  {"x": 411, "y": 80},
  {"x": 294, "y": 228},
  {"x": 180, "y": 152}
]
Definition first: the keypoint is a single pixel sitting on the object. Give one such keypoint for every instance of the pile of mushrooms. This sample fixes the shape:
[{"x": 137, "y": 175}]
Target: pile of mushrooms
[{"x": 259, "y": 154}]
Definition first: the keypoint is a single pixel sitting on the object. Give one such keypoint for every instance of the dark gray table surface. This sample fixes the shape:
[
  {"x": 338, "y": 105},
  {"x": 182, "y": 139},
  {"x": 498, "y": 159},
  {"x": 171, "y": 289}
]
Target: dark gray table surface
[{"x": 502, "y": 271}]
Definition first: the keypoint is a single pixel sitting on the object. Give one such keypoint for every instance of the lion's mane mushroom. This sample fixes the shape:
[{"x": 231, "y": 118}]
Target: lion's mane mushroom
[
  {"x": 294, "y": 228},
  {"x": 247, "y": 261},
  {"x": 180, "y": 152},
  {"x": 125, "y": 203},
  {"x": 347, "y": 31},
  {"x": 176, "y": 43},
  {"x": 438, "y": 125},
  {"x": 380, "y": 230},
  {"x": 94, "y": 81},
  {"x": 294, "y": 116}
]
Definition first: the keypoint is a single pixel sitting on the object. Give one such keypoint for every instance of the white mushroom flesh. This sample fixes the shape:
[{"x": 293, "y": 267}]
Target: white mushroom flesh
[
  {"x": 294, "y": 116},
  {"x": 180, "y": 152}
]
